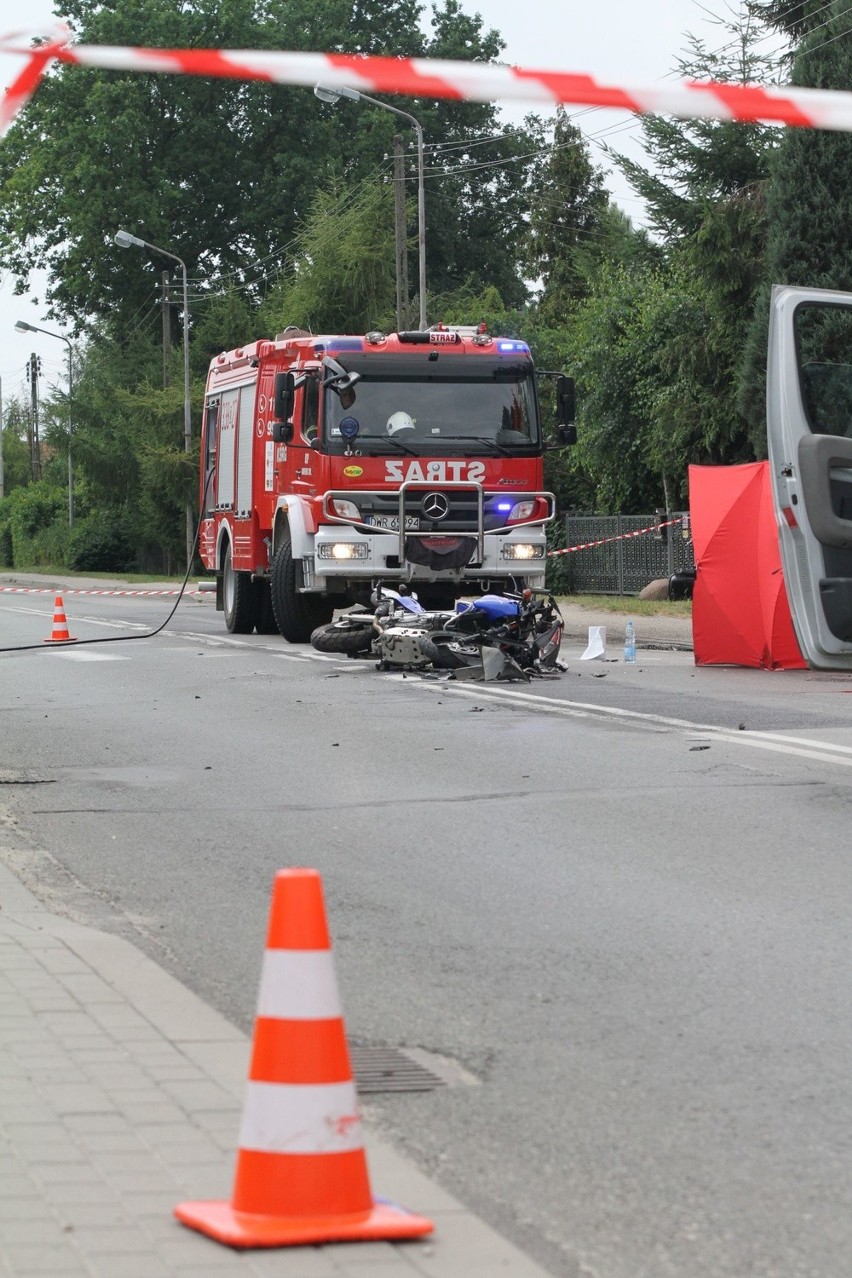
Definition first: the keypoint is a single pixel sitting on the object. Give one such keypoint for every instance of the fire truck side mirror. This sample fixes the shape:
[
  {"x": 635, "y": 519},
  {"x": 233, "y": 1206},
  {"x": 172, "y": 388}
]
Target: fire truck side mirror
[
  {"x": 566, "y": 406},
  {"x": 566, "y": 399},
  {"x": 285, "y": 394},
  {"x": 282, "y": 432}
]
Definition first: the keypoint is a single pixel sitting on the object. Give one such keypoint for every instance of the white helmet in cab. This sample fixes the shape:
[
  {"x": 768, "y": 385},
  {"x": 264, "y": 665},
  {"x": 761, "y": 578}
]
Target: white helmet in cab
[{"x": 398, "y": 422}]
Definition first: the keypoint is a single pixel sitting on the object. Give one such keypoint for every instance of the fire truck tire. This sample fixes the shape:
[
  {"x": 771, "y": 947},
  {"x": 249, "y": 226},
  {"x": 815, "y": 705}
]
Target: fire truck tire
[
  {"x": 297, "y": 615},
  {"x": 238, "y": 597},
  {"x": 265, "y": 622},
  {"x": 351, "y": 640}
]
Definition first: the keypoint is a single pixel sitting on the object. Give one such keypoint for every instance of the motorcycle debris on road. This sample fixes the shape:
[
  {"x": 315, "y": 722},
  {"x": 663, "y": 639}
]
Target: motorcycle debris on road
[{"x": 496, "y": 637}]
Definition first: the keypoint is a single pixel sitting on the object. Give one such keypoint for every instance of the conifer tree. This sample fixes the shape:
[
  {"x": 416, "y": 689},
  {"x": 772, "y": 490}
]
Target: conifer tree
[{"x": 809, "y": 198}]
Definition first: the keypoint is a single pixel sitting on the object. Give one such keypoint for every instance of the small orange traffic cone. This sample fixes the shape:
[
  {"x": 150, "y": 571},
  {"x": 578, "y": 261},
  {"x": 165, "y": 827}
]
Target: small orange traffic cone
[
  {"x": 301, "y": 1173},
  {"x": 60, "y": 634}
]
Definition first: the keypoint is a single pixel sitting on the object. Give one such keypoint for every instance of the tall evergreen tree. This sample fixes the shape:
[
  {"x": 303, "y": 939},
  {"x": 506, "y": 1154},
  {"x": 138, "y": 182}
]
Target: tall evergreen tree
[
  {"x": 342, "y": 276},
  {"x": 706, "y": 199},
  {"x": 809, "y": 200},
  {"x": 569, "y": 215},
  {"x": 705, "y": 192}
]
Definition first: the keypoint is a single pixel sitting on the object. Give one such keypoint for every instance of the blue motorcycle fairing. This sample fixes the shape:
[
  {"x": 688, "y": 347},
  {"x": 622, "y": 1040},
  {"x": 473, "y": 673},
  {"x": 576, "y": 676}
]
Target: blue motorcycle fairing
[
  {"x": 494, "y": 606},
  {"x": 407, "y": 602}
]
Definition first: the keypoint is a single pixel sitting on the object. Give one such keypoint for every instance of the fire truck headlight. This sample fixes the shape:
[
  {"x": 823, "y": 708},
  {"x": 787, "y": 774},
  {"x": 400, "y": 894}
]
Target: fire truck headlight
[
  {"x": 343, "y": 550},
  {"x": 345, "y": 509},
  {"x": 521, "y": 510},
  {"x": 521, "y": 550}
]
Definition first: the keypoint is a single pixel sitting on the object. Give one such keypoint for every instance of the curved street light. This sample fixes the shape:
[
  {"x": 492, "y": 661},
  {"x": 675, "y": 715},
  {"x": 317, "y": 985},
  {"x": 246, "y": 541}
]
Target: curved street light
[
  {"x": 23, "y": 327},
  {"x": 333, "y": 95},
  {"x": 125, "y": 240}
]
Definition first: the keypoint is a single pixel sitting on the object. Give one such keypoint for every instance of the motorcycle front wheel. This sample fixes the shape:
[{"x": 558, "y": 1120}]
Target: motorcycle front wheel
[{"x": 347, "y": 637}]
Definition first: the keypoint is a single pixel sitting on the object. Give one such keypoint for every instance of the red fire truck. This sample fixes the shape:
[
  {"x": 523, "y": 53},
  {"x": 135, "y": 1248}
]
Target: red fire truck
[{"x": 331, "y": 463}]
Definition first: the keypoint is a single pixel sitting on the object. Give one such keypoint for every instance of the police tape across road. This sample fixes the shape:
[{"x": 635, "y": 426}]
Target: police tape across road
[
  {"x": 432, "y": 78},
  {"x": 602, "y": 541},
  {"x": 69, "y": 590}
]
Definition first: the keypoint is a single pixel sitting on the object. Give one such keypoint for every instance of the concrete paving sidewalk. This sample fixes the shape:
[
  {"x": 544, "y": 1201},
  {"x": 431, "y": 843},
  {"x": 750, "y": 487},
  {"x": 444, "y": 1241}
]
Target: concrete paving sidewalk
[{"x": 121, "y": 1095}]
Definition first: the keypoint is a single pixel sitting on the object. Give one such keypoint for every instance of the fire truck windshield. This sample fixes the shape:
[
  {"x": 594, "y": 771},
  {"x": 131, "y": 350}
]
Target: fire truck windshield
[{"x": 452, "y": 404}]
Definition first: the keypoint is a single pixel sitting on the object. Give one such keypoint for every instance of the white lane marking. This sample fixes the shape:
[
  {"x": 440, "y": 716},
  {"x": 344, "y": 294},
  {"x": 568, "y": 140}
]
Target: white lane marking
[
  {"x": 778, "y": 743},
  {"x": 308, "y": 656},
  {"x": 82, "y": 654},
  {"x": 77, "y": 621},
  {"x": 111, "y": 625},
  {"x": 215, "y": 641}
]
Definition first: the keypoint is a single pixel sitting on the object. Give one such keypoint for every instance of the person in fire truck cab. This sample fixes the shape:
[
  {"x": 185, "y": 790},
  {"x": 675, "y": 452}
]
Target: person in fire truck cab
[{"x": 398, "y": 422}]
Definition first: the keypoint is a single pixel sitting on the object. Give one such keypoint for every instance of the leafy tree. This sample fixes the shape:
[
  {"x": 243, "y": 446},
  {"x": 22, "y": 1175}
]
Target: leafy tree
[
  {"x": 654, "y": 388},
  {"x": 222, "y": 172}
]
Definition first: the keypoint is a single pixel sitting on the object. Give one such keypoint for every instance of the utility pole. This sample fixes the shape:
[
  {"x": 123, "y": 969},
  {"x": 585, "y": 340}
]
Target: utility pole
[
  {"x": 33, "y": 371},
  {"x": 167, "y": 327},
  {"x": 399, "y": 234}
]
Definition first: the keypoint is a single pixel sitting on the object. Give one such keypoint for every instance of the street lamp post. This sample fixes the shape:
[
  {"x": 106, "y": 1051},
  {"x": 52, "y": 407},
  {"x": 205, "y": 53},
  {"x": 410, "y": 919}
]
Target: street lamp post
[
  {"x": 327, "y": 94},
  {"x": 125, "y": 240},
  {"x": 23, "y": 327}
]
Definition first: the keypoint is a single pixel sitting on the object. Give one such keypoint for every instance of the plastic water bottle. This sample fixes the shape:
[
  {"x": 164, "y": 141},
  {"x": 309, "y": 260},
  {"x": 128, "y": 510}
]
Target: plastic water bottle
[{"x": 629, "y": 642}]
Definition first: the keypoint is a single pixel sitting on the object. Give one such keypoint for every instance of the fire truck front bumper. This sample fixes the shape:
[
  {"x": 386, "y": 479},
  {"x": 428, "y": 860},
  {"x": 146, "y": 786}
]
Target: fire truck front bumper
[{"x": 342, "y": 552}]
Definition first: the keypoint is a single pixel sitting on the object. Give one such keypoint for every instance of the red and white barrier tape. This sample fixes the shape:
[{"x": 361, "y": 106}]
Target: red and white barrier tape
[
  {"x": 602, "y": 541},
  {"x": 53, "y": 590},
  {"x": 435, "y": 78}
]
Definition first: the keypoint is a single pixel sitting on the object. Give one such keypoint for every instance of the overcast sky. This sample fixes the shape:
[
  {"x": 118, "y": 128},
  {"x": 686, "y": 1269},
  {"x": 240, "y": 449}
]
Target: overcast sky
[{"x": 613, "y": 40}]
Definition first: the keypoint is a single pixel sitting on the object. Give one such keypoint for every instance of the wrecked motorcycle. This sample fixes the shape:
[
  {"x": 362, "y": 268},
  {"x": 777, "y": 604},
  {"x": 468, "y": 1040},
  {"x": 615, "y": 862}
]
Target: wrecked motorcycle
[
  {"x": 493, "y": 637},
  {"x": 498, "y": 637},
  {"x": 389, "y": 632}
]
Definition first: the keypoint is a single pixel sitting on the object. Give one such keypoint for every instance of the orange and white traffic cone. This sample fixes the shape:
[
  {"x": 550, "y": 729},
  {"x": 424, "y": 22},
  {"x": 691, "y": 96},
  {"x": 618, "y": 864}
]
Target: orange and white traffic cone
[
  {"x": 60, "y": 634},
  {"x": 301, "y": 1173}
]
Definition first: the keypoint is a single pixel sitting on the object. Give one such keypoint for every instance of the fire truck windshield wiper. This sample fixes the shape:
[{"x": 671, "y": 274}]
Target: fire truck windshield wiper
[
  {"x": 381, "y": 440},
  {"x": 480, "y": 439}
]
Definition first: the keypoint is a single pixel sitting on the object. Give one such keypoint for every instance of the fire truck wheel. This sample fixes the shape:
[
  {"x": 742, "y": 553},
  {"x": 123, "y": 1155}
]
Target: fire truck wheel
[
  {"x": 238, "y": 598},
  {"x": 265, "y": 622},
  {"x": 337, "y": 637},
  {"x": 297, "y": 615}
]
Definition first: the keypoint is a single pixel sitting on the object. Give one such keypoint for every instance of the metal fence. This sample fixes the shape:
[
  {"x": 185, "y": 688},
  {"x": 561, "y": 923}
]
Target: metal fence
[{"x": 630, "y": 555}]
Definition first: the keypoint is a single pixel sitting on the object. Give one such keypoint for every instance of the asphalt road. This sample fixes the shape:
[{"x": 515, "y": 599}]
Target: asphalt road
[{"x": 620, "y": 901}]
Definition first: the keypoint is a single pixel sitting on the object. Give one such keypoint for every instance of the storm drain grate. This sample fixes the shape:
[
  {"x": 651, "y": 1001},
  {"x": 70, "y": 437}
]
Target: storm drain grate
[{"x": 390, "y": 1069}]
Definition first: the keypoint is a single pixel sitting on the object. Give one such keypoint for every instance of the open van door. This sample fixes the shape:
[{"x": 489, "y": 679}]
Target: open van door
[{"x": 809, "y": 435}]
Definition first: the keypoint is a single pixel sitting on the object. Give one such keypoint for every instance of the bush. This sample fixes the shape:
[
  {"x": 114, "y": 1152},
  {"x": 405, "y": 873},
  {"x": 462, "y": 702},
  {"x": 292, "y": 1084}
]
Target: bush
[
  {"x": 36, "y": 518},
  {"x": 102, "y": 543},
  {"x": 6, "y": 556}
]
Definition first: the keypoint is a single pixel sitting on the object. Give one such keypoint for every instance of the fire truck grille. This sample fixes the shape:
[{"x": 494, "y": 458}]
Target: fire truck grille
[{"x": 461, "y": 506}]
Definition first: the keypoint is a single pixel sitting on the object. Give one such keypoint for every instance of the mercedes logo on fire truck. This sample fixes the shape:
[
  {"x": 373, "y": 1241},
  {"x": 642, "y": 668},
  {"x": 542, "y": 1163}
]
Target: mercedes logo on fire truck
[{"x": 435, "y": 506}]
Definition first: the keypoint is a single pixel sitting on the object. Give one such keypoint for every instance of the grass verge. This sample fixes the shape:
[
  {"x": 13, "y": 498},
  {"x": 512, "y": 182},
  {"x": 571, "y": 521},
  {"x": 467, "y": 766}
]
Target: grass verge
[{"x": 623, "y": 604}]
